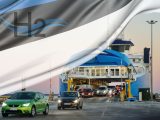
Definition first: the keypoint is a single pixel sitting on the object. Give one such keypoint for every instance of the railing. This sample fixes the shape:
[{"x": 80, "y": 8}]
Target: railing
[
  {"x": 99, "y": 72},
  {"x": 100, "y": 76},
  {"x": 103, "y": 72}
]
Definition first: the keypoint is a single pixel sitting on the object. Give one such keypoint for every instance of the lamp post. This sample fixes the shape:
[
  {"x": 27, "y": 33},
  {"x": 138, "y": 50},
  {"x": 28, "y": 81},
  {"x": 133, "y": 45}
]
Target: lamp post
[
  {"x": 51, "y": 95},
  {"x": 152, "y": 22},
  {"x": 88, "y": 75}
]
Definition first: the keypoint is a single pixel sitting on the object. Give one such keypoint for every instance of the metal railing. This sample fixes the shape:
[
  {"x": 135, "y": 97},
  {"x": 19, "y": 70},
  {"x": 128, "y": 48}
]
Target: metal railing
[{"x": 85, "y": 72}]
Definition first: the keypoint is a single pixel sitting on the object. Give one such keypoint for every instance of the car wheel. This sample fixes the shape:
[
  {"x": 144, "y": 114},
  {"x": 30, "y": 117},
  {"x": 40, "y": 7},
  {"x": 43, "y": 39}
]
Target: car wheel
[
  {"x": 46, "y": 110},
  {"x": 33, "y": 111},
  {"x": 59, "y": 108},
  {"x": 81, "y": 107},
  {"x": 4, "y": 115},
  {"x": 77, "y": 107}
]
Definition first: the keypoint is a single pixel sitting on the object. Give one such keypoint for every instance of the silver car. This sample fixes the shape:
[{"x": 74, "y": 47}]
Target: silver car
[
  {"x": 102, "y": 91},
  {"x": 157, "y": 97}
]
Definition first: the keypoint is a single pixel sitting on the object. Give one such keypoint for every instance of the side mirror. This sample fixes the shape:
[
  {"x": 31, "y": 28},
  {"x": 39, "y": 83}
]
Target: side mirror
[
  {"x": 59, "y": 96},
  {"x": 37, "y": 98},
  {"x": 9, "y": 97},
  {"x": 80, "y": 96}
]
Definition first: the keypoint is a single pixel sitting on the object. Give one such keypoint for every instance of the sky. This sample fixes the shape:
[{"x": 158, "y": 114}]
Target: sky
[{"x": 138, "y": 31}]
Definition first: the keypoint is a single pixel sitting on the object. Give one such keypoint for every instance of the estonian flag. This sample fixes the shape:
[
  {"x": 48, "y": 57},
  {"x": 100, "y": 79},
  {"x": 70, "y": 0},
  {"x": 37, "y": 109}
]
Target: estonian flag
[{"x": 40, "y": 38}]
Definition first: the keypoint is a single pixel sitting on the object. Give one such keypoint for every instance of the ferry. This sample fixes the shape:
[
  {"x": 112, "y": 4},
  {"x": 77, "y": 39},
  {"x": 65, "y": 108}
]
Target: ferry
[{"x": 112, "y": 67}]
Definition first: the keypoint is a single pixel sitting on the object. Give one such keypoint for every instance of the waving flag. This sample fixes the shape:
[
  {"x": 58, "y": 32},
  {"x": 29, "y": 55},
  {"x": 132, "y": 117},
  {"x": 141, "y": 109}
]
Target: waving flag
[{"x": 43, "y": 38}]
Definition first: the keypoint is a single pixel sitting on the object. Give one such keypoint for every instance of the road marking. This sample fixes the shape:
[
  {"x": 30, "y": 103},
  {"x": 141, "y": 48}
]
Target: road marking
[{"x": 103, "y": 113}]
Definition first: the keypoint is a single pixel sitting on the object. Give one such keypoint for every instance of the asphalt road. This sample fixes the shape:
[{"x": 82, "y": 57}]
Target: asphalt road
[{"x": 100, "y": 109}]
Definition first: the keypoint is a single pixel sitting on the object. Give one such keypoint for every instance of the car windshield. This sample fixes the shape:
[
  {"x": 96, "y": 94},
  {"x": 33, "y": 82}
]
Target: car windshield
[
  {"x": 69, "y": 94},
  {"x": 87, "y": 90},
  {"x": 23, "y": 96},
  {"x": 111, "y": 87},
  {"x": 102, "y": 88}
]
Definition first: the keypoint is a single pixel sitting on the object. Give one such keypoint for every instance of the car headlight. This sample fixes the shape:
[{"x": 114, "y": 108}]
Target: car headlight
[
  {"x": 59, "y": 101},
  {"x": 76, "y": 101},
  {"x": 26, "y": 104},
  {"x": 4, "y": 104},
  {"x": 104, "y": 92},
  {"x": 110, "y": 92},
  {"x": 97, "y": 91}
]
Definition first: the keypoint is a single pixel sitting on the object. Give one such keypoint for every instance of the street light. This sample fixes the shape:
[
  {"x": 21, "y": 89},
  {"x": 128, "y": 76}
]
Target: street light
[{"x": 152, "y": 22}]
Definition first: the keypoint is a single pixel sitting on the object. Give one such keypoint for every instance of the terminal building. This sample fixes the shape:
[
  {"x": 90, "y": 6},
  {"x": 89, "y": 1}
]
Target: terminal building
[{"x": 114, "y": 66}]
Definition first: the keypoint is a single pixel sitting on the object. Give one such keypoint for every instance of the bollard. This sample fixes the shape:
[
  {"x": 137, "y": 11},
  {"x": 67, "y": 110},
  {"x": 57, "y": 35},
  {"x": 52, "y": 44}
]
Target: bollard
[
  {"x": 122, "y": 96},
  {"x": 140, "y": 96}
]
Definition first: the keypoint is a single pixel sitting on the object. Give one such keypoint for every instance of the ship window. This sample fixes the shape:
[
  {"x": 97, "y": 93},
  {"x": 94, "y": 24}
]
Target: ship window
[
  {"x": 127, "y": 47},
  {"x": 117, "y": 72},
  {"x": 97, "y": 72},
  {"x": 121, "y": 48},
  {"x": 107, "y": 72},
  {"x": 103, "y": 72},
  {"x": 112, "y": 72},
  {"x": 76, "y": 69},
  {"x": 137, "y": 60},
  {"x": 116, "y": 48},
  {"x": 87, "y": 71},
  {"x": 122, "y": 72},
  {"x": 93, "y": 72},
  {"x": 134, "y": 60},
  {"x": 81, "y": 69}
]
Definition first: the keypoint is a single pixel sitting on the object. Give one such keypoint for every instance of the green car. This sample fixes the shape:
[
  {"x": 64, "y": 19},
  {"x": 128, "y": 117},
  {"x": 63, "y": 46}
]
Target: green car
[{"x": 29, "y": 103}]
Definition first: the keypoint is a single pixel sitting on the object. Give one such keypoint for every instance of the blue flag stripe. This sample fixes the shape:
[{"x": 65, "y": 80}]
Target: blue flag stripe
[{"x": 12, "y": 5}]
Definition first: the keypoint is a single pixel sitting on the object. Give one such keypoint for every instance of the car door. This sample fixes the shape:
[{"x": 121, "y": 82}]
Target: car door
[
  {"x": 38, "y": 102},
  {"x": 43, "y": 102},
  {"x": 80, "y": 99}
]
